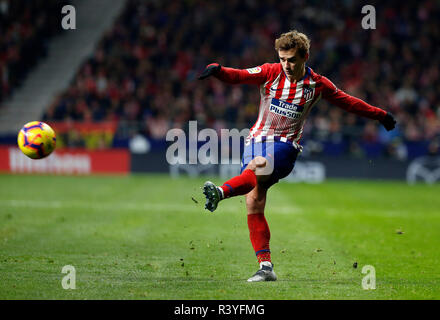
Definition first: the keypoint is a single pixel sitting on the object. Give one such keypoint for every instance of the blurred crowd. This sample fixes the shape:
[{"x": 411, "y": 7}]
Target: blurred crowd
[
  {"x": 25, "y": 29},
  {"x": 144, "y": 70}
]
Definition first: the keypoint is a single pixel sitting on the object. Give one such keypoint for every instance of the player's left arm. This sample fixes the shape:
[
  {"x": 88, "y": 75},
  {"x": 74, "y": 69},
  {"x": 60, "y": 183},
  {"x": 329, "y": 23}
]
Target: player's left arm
[{"x": 355, "y": 105}]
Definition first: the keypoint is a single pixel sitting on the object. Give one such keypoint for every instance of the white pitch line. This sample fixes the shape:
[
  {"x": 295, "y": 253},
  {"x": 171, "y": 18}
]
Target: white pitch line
[
  {"x": 121, "y": 206},
  {"x": 96, "y": 206}
]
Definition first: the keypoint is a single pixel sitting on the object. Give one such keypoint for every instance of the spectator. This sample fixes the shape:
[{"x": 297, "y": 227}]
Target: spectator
[
  {"x": 155, "y": 50},
  {"x": 26, "y": 27}
]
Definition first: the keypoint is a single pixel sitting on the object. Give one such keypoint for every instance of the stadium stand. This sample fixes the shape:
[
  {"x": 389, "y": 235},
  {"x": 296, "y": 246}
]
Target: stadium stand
[
  {"x": 26, "y": 27},
  {"x": 143, "y": 71},
  {"x": 53, "y": 74}
]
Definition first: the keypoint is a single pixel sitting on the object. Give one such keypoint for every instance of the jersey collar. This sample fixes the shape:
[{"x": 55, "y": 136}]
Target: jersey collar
[{"x": 303, "y": 78}]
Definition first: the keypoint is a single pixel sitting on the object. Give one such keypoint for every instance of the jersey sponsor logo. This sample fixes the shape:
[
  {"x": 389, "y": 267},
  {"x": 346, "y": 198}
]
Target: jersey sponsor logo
[
  {"x": 308, "y": 93},
  {"x": 289, "y": 110},
  {"x": 254, "y": 70}
]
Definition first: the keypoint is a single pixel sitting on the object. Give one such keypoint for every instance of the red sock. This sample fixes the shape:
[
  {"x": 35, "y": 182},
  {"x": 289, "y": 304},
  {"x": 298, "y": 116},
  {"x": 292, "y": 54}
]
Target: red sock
[
  {"x": 239, "y": 185},
  {"x": 260, "y": 235}
]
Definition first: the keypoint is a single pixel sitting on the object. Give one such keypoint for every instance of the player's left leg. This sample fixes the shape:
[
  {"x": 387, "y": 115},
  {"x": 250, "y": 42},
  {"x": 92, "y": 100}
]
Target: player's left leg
[
  {"x": 257, "y": 163},
  {"x": 238, "y": 185}
]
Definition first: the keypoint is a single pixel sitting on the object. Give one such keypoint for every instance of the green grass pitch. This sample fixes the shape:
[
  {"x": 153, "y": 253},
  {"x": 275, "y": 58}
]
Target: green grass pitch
[{"x": 145, "y": 237}]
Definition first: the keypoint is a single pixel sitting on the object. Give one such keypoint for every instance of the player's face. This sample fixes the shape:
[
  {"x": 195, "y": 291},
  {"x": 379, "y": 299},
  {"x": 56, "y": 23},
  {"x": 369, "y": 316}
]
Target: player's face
[{"x": 291, "y": 61}]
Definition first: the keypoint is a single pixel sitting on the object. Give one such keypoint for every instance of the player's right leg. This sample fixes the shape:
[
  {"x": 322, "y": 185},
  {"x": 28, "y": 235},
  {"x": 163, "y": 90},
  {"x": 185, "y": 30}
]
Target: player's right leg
[
  {"x": 284, "y": 157},
  {"x": 259, "y": 233}
]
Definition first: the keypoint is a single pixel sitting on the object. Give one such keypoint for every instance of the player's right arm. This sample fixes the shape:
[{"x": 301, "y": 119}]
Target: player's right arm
[{"x": 257, "y": 75}]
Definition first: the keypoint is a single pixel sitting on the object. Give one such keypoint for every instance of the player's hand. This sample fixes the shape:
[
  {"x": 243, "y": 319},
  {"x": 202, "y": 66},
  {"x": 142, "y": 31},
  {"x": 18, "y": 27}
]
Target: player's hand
[
  {"x": 211, "y": 69},
  {"x": 389, "y": 122}
]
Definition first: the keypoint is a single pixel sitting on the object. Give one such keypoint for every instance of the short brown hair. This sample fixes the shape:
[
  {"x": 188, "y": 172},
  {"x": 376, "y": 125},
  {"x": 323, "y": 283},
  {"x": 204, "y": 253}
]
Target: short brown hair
[{"x": 293, "y": 39}]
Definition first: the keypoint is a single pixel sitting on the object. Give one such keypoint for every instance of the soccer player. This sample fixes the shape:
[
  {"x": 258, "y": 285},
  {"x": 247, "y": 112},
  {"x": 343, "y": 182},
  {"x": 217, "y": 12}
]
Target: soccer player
[{"x": 288, "y": 90}]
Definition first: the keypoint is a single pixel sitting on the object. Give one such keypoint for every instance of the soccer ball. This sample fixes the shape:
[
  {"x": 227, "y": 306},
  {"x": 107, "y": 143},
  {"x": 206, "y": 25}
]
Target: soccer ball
[{"x": 36, "y": 140}]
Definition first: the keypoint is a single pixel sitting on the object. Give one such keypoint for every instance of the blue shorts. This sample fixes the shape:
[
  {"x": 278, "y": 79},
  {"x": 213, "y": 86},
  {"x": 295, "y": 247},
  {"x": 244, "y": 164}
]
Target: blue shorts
[{"x": 280, "y": 155}]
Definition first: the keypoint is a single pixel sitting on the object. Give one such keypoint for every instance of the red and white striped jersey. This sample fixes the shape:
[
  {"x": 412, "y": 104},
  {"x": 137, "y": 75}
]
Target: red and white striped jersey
[{"x": 284, "y": 105}]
